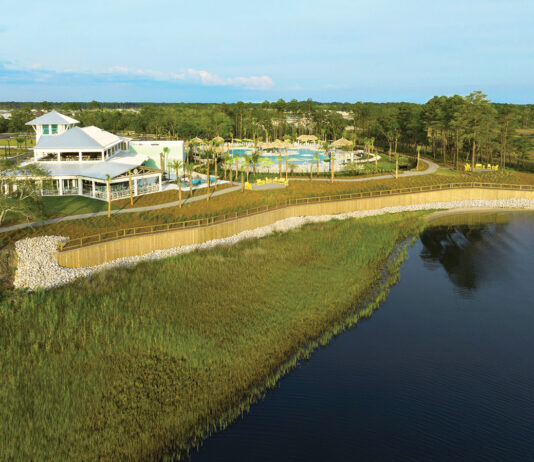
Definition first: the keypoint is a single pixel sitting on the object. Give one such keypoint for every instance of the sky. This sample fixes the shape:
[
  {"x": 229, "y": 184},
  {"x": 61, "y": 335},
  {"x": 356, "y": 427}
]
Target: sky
[{"x": 214, "y": 51}]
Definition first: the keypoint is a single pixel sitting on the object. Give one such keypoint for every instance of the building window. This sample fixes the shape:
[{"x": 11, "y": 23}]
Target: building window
[
  {"x": 54, "y": 129},
  {"x": 45, "y": 130}
]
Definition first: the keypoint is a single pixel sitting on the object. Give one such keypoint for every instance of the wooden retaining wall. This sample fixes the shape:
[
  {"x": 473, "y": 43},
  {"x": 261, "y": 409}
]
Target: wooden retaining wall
[{"x": 138, "y": 245}]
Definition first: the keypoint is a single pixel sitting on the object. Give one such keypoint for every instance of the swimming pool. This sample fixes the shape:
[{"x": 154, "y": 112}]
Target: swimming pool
[{"x": 296, "y": 155}]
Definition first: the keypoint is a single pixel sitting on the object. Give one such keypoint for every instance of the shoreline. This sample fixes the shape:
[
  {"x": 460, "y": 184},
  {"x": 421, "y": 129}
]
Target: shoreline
[
  {"x": 37, "y": 267},
  {"x": 360, "y": 309}
]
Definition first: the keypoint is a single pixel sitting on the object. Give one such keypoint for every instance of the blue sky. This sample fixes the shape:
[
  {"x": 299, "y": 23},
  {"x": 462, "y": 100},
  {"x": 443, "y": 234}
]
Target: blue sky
[{"x": 332, "y": 50}]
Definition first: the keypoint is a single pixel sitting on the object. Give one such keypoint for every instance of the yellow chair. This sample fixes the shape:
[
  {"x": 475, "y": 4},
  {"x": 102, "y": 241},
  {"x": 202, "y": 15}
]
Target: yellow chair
[
  {"x": 478, "y": 165},
  {"x": 495, "y": 167},
  {"x": 268, "y": 181},
  {"x": 467, "y": 167},
  {"x": 248, "y": 185},
  {"x": 260, "y": 182}
]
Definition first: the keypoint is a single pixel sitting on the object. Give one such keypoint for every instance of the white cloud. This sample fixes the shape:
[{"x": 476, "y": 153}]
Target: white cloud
[{"x": 204, "y": 77}]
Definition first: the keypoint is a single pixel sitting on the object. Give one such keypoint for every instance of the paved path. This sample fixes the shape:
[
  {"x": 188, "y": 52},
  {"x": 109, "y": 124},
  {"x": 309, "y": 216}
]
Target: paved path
[{"x": 432, "y": 167}]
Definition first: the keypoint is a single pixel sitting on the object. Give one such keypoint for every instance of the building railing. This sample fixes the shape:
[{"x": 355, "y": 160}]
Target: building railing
[{"x": 208, "y": 221}]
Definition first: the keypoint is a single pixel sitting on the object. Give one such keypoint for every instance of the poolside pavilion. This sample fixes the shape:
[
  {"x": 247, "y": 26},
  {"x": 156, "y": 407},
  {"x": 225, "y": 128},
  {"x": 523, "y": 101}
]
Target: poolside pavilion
[{"x": 82, "y": 161}]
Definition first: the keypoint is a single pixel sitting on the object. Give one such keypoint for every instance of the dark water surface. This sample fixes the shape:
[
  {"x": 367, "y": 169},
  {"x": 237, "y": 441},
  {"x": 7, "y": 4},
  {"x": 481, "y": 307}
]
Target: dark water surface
[{"x": 443, "y": 370}]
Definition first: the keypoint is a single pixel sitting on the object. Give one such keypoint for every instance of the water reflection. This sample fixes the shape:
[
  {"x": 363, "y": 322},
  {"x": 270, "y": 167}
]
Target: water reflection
[{"x": 469, "y": 248}]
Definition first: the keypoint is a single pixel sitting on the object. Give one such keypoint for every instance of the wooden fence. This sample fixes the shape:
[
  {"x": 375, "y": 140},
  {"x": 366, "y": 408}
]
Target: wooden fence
[{"x": 208, "y": 221}]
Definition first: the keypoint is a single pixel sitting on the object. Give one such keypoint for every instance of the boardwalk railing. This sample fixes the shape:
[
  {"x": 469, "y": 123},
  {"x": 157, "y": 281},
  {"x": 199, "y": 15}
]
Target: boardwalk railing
[{"x": 208, "y": 221}]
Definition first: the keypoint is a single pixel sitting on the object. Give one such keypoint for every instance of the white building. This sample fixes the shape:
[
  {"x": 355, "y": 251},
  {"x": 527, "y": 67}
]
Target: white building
[{"x": 81, "y": 160}]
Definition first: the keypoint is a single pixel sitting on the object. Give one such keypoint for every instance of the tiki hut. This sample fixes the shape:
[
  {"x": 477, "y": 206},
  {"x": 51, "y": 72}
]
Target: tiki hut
[{"x": 341, "y": 143}]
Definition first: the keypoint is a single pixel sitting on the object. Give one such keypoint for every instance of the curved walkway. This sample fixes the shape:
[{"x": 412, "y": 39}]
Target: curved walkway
[{"x": 432, "y": 167}]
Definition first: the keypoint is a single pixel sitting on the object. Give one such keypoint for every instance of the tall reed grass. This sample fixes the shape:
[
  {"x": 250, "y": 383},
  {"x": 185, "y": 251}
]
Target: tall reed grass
[{"x": 134, "y": 362}]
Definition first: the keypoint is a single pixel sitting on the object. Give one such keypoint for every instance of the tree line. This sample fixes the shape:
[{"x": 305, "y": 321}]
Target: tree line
[{"x": 453, "y": 129}]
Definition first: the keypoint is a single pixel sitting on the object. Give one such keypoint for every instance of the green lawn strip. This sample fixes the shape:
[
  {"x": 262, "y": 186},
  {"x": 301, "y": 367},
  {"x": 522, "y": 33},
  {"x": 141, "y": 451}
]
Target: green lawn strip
[{"x": 132, "y": 362}]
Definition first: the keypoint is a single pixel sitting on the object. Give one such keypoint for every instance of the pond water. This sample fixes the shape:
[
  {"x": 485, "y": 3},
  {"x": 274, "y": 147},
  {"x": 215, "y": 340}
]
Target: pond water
[{"x": 443, "y": 370}]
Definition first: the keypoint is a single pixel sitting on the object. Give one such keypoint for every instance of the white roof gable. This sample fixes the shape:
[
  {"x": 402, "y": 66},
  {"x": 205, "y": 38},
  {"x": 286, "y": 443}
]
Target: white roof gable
[
  {"x": 102, "y": 137},
  {"x": 78, "y": 138},
  {"x": 52, "y": 117}
]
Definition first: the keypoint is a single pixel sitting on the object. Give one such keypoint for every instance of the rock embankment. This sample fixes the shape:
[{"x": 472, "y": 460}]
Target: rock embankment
[{"x": 37, "y": 266}]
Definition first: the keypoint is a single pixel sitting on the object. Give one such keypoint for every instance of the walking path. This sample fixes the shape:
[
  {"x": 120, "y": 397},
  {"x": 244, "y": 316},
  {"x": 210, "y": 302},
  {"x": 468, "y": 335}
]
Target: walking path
[{"x": 432, "y": 167}]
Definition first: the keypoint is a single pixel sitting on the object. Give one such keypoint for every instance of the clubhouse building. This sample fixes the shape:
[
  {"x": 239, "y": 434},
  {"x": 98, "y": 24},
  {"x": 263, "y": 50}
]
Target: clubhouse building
[{"x": 81, "y": 161}]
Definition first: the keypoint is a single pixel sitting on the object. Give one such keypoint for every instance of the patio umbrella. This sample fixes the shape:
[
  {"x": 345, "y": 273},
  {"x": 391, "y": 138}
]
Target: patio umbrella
[
  {"x": 197, "y": 140},
  {"x": 218, "y": 139}
]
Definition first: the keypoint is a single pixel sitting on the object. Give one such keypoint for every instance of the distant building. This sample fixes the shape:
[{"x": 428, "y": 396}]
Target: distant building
[{"x": 79, "y": 160}]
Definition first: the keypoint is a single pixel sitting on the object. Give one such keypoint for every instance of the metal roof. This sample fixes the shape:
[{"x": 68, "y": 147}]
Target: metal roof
[
  {"x": 52, "y": 117},
  {"x": 78, "y": 138},
  {"x": 114, "y": 166}
]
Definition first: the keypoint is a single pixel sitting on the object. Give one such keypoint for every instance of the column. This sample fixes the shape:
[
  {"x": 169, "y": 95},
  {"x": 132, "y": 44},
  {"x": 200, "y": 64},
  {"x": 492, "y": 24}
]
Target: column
[
  {"x": 60, "y": 188},
  {"x": 58, "y": 156},
  {"x": 103, "y": 156},
  {"x": 80, "y": 185},
  {"x": 135, "y": 187},
  {"x": 80, "y": 156},
  {"x": 94, "y": 189},
  {"x": 160, "y": 185}
]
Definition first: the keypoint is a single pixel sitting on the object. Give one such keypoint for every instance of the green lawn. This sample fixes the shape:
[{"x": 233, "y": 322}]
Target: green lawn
[
  {"x": 13, "y": 143},
  {"x": 135, "y": 361},
  {"x": 55, "y": 206}
]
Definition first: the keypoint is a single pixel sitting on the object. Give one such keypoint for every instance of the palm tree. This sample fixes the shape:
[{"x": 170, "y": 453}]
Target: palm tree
[
  {"x": 215, "y": 154},
  {"x": 418, "y": 155},
  {"x": 130, "y": 185},
  {"x": 396, "y": 166},
  {"x": 247, "y": 160},
  {"x": 317, "y": 158},
  {"x": 226, "y": 159},
  {"x": 332, "y": 166},
  {"x": 255, "y": 158},
  {"x": 236, "y": 158},
  {"x": 190, "y": 169},
  {"x": 108, "y": 180},
  {"x": 177, "y": 165},
  {"x": 279, "y": 159},
  {"x": 163, "y": 157},
  {"x": 242, "y": 178},
  {"x": 208, "y": 179},
  {"x": 194, "y": 145}
]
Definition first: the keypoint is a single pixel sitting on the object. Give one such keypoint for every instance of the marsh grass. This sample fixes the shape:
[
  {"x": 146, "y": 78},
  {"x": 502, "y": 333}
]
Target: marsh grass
[{"x": 134, "y": 362}]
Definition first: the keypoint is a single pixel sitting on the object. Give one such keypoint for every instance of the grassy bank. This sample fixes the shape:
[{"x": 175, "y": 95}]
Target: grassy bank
[
  {"x": 132, "y": 362},
  {"x": 237, "y": 201}
]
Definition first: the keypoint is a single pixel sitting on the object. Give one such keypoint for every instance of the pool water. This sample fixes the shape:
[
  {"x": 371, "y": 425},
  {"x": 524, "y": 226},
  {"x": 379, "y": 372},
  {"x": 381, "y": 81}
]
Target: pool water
[{"x": 296, "y": 155}]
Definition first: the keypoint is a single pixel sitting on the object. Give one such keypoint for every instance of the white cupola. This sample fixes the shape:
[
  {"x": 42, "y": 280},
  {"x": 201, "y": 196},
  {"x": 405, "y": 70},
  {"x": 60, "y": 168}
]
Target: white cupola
[{"x": 51, "y": 123}]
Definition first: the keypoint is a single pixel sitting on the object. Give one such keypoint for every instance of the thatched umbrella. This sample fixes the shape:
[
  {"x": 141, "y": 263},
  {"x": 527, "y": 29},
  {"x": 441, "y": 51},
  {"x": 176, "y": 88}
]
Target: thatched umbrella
[
  {"x": 277, "y": 144},
  {"x": 307, "y": 138},
  {"x": 197, "y": 140},
  {"x": 218, "y": 140},
  {"x": 342, "y": 142}
]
